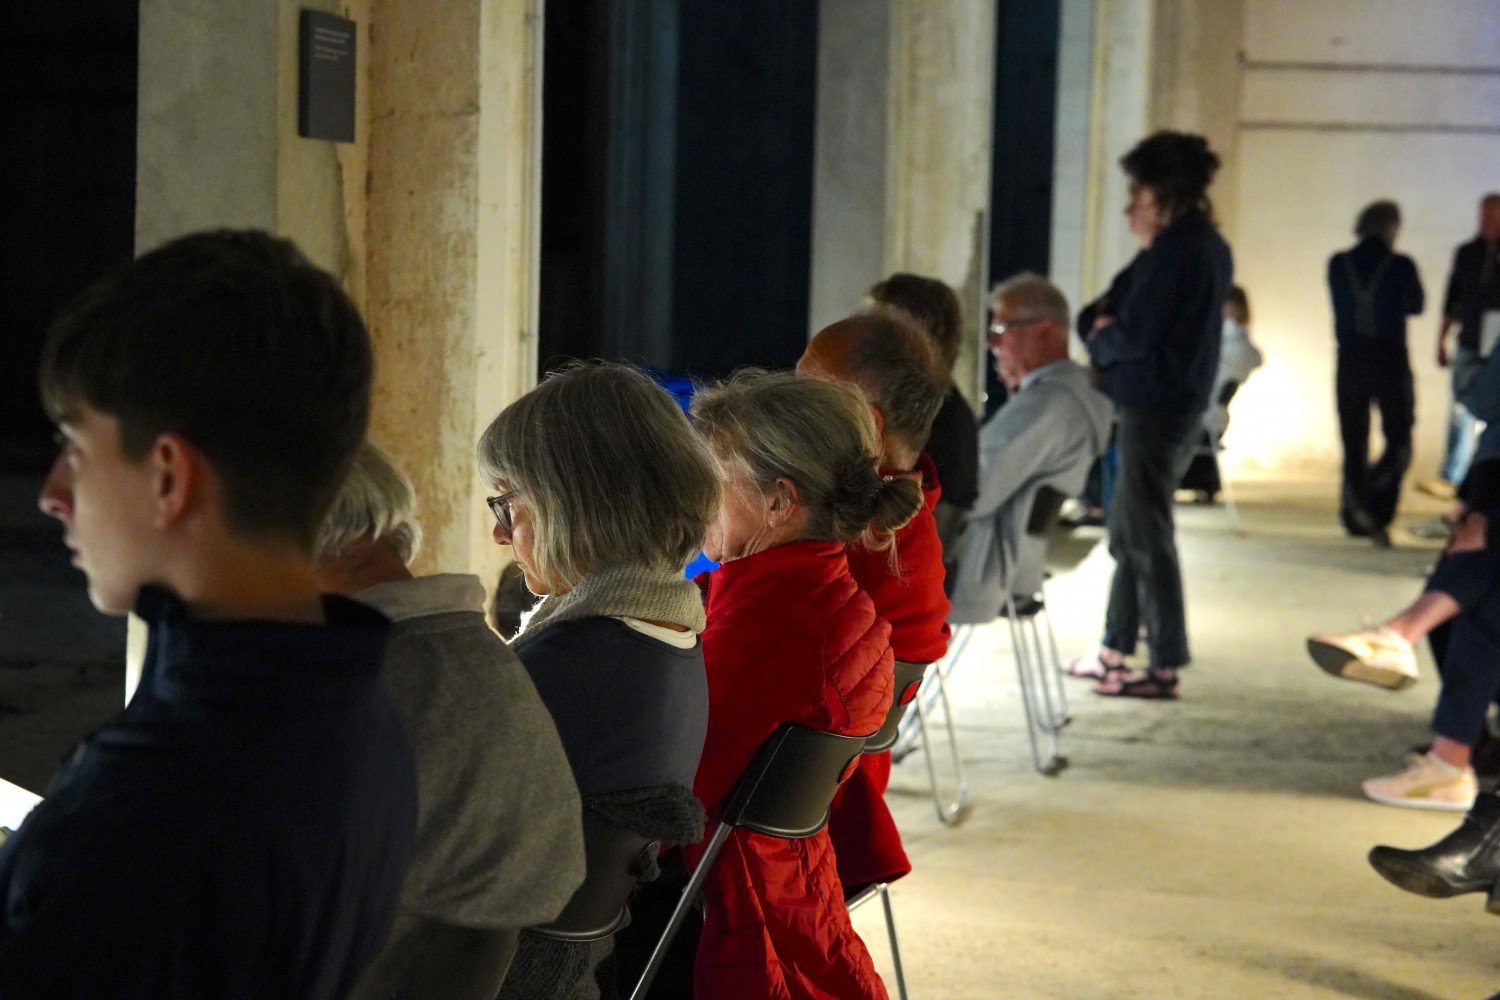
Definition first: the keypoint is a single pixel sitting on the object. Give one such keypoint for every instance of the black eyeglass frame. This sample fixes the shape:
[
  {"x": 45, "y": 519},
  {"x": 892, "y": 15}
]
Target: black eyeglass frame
[{"x": 500, "y": 507}]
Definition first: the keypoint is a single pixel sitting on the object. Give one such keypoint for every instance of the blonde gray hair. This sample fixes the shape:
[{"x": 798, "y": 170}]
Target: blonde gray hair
[
  {"x": 375, "y": 503},
  {"x": 820, "y": 436},
  {"x": 609, "y": 468},
  {"x": 1034, "y": 295}
]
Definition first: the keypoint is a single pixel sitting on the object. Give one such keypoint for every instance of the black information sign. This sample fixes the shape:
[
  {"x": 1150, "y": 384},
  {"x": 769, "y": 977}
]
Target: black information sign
[{"x": 325, "y": 86}]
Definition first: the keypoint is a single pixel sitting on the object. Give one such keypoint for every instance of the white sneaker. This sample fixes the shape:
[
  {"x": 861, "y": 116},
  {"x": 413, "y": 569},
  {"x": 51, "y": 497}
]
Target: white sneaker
[
  {"x": 1427, "y": 783},
  {"x": 1378, "y": 656},
  {"x": 1440, "y": 488}
]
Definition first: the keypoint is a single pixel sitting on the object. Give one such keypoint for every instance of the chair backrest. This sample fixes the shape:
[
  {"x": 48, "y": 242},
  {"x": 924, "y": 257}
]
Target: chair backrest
[
  {"x": 598, "y": 907},
  {"x": 908, "y": 679},
  {"x": 789, "y": 784},
  {"x": 1045, "y": 507}
]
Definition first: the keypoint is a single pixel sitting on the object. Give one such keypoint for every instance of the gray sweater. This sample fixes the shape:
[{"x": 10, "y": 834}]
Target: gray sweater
[
  {"x": 1048, "y": 433},
  {"x": 499, "y": 830}
]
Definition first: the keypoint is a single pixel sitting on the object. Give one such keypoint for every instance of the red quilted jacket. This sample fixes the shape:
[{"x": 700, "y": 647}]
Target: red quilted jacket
[
  {"x": 790, "y": 638},
  {"x": 912, "y": 600}
]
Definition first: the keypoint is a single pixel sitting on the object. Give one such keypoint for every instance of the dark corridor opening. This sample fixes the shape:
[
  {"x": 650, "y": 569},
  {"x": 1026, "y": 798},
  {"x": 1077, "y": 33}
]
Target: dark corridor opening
[
  {"x": 68, "y": 112},
  {"x": 677, "y": 161}
]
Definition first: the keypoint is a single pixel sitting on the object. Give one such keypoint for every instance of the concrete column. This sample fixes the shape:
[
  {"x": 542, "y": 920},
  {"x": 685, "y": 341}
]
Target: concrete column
[
  {"x": 901, "y": 177},
  {"x": 217, "y": 141},
  {"x": 849, "y": 160},
  {"x": 1072, "y": 172},
  {"x": 452, "y": 247},
  {"x": 429, "y": 217},
  {"x": 1118, "y": 119},
  {"x": 1195, "y": 87}
]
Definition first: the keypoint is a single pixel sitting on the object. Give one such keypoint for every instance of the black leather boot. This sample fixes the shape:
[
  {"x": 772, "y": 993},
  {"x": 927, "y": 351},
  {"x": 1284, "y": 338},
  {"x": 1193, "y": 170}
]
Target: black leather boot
[{"x": 1467, "y": 860}]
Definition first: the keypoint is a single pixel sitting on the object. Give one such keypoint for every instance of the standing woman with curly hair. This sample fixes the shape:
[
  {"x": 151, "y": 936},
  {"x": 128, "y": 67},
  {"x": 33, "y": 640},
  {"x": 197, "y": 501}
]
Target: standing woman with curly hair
[
  {"x": 1154, "y": 340},
  {"x": 790, "y": 638}
]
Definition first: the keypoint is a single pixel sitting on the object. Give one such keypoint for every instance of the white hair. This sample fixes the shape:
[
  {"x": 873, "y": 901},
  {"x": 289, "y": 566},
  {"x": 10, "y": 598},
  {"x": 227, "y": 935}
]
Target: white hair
[{"x": 376, "y": 503}]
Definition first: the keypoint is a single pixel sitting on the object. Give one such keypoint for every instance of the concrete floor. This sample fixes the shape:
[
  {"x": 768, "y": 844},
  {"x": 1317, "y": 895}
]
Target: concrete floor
[{"x": 1213, "y": 847}]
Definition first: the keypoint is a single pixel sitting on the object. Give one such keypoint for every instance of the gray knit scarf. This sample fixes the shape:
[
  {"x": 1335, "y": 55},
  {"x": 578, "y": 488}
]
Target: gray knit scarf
[{"x": 628, "y": 591}]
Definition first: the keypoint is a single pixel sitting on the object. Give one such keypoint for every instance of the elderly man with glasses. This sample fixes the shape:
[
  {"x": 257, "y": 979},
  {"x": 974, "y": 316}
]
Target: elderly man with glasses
[{"x": 1049, "y": 433}]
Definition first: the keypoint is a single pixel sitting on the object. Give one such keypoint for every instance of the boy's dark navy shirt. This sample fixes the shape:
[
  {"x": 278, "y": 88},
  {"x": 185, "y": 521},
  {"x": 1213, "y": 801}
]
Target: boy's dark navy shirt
[
  {"x": 240, "y": 830},
  {"x": 1161, "y": 353}
]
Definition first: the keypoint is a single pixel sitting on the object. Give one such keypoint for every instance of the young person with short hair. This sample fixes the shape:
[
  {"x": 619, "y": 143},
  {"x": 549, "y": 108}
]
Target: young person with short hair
[{"x": 242, "y": 828}]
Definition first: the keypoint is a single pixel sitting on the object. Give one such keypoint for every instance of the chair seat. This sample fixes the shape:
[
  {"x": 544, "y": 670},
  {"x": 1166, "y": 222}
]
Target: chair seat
[{"x": 1027, "y": 606}]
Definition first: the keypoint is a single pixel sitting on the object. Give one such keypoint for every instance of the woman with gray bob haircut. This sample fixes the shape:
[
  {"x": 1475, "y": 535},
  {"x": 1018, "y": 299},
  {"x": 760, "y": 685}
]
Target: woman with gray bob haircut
[{"x": 603, "y": 494}]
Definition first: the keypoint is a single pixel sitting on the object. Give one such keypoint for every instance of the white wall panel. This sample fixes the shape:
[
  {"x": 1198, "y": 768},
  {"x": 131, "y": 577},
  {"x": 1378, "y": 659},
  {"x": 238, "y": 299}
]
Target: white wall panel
[
  {"x": 1371, "y": 97},
  {"x": 1403, "y": 32}
]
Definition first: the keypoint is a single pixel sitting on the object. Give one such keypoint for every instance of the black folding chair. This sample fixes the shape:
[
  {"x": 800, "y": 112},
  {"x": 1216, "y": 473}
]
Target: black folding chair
[
  {"x": 599, "y": 907},
  {"x": 908, "y": 683},
  {"x": 784, "y": 792}
]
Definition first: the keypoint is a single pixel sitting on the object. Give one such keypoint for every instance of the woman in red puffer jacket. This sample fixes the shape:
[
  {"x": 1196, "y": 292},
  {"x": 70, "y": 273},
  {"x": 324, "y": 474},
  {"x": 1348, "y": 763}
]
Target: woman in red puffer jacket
[{"x": 790, "y": 638}]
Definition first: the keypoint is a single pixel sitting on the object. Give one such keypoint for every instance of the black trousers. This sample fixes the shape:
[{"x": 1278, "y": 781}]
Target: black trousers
[
  {"x": 1374, "y": 375},
  {"x": 1147, "y": 584},
  {"x": 1467, "y": 648}
]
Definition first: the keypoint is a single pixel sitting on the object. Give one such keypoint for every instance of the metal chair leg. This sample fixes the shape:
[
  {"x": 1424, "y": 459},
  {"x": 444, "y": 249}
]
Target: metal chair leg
[
  {"x": 890, "y": 929},
  {"x": 950, "y": 812},
  {"x": 1229, "y": 505},
  {"x": 883, "y": 890},
  {"x": 1040, "y": 720},
  {"x": 679, "y": 913},
  {"x": 906, "y": 733},
  {"x": 1056, "y": 672}
]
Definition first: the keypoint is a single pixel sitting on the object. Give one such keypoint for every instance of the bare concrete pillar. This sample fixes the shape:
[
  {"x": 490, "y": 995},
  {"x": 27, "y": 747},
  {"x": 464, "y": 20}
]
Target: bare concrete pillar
[
  {"x": 902, "y": 168},
  {"x": 428, "y": 217},
  {"x": 452, "y": 239}
]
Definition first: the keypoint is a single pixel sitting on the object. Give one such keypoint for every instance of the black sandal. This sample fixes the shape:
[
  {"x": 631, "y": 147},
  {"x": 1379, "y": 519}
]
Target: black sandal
[{"x": 1147, "y": 685}]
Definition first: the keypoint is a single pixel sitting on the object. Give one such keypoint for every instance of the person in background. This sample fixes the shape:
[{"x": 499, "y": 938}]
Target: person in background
[
  {"x": 498, "y": 844},
  {"x": 243, "y": 827},
  {"x": 953, "y": 444},
  {"x": 1238, "y": 357},
  {"x": 892, "y": 364},
  {"x": 604, "y": 494},
  {"x": 1049, "y": 433},
  {"x": 1374, "y": 289},
  {"x": 1468, "y": 858},
  {"x": 1154, "y": 338},
  {"x": 1459, "y": 610},
  {"x": 790, "y": 638},
  {"x": 1471, "y": 303}
]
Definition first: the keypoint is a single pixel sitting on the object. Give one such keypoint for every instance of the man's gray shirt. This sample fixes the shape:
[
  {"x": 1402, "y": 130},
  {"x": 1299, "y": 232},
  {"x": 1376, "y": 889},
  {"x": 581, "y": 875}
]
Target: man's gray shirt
[
  {"x": 499, "y": 824},
  {"x": 1048, "y": 433}
]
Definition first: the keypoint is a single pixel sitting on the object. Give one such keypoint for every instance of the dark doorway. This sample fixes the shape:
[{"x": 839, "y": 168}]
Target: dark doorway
[
  {"x": 677, "y": 182},
  {"x": 68, "y": 112},
  {"x": 1026, "y": 44}
]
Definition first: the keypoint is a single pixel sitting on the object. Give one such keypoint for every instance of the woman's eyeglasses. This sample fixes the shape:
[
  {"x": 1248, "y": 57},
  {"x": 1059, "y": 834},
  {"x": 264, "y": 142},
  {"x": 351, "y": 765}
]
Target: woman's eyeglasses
[{"x": 500, "y": 507}]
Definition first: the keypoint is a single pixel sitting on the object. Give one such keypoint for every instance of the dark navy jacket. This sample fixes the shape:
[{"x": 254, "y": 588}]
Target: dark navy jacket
[
  {"x": 1161, "y": 353},
  {"x": 1397, "y": 293},
  {"x": 240, "y": 830}
]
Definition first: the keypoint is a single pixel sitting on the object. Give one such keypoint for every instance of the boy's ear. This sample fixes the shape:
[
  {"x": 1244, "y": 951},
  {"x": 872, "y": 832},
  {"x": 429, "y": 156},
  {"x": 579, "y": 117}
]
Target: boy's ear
[{"x": 179, "y": 475}]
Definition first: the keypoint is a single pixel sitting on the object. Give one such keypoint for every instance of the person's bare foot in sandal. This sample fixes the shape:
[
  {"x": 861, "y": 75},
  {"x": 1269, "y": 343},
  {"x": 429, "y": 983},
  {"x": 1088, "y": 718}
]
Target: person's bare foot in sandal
[
  {"x": 1098, "y": 664},
  {"x": 1157, "y": 685}
]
